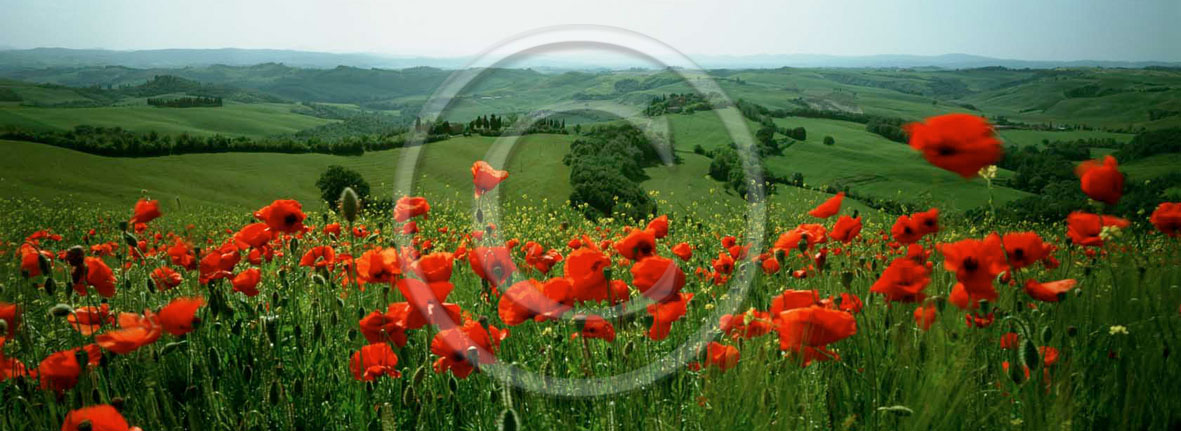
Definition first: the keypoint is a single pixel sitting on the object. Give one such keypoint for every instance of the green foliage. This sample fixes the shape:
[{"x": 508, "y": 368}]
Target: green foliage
[
  {"x": 606, "y": 168},
  {"x": 335, "y": 179},
  {"x": 828, "y": 140},
  {"x": 115, "y": 141},
  {"x": 185, "y": 102}
]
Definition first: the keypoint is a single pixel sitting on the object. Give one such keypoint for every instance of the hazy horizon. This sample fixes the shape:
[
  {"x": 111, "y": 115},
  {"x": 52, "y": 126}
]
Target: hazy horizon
[{"x": 1056, "y": 30}]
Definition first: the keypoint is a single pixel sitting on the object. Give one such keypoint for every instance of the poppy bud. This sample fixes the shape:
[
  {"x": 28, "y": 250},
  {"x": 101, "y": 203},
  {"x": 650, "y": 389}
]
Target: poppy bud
[
  {"x": 350, "y": 204},
  {"x": 297, "y": 331},
  {"x": 214, "y": 360},
  {"x": 43, "y": 263},
  {"x": 1047, "y": 335},
  {"x": 472, "y": 355},
  {"x": 803, "y": 245},
  {"x": 408, "y": 396},
  {"x": 1029, "y": 355},
  {"x": 151, "y": 285},
  {"x": 276, "y": 393},
  {"x": 452, "y": 384},
  {"x": 247, "y": 373},
  {"x": 1071, "y": 331},
  {"x": 50, "y": 286},
  {"x": 629, "y": 348},
  {"x": 130, "y": 239},
  {"x": 324, "y": 219},
  {"x": 297, "y": 387},
  {"x": 61, "y": 310},
  {"x": 508, "y": 420},
  {"x": 317, "y": 331},
  {"x": 75, "y": 255},
  {"x": 168, "y": 348},
  {"x": 419, "y": 375},
  {"x": 479, "y": 215},
  {"x": 483, "y": 322}
]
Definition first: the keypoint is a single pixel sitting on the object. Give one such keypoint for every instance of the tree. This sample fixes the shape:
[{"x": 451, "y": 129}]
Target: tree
[
  {"x": 828, "y": 140},
  {"x": 333, "y": 181}
]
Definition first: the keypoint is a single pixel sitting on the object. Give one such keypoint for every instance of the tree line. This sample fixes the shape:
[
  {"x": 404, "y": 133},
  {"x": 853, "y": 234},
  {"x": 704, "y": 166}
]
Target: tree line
[
  {"x": 185, "y": 102},
  {"x": 606, "y": 169},
  {"x": 119, "y": 142}
]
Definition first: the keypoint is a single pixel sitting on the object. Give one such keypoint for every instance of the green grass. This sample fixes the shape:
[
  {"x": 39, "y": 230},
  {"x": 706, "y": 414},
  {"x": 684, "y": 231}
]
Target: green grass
[
  {"x": 872, "y": 165},
  {"x": 1023, "y": 138},
  {"x": 234, "y": 119}
]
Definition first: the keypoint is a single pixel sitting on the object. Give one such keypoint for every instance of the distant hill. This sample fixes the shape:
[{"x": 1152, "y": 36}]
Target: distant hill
[{"x": 39, "y": 58}]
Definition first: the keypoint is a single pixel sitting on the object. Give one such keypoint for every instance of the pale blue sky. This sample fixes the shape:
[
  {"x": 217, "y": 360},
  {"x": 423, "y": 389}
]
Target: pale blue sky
[{"x": 1018, "y": 29}]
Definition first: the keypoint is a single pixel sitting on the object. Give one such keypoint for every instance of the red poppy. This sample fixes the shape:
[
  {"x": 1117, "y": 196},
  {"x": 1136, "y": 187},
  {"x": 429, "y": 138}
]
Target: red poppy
[
  {"x": 529, "y": 299},
  {"x": 905, "y": 230},
  {"x": 410, "y": 207},
  {"x": 1009, "y": 340},
  {"x": 807, "y": 331},
  {"x": 683, "y": 251},
  {"x": 659, "y": 226},
  {"x": 10, "y": 314},
  {"x": 434, "y": 267},
  {"x": 410, "y": 228},
  {"x": 378, "y": 327},
  {"x": 422, "y": 294},
  {"x": 903, "y": 281},
  {"x": 924, "y": 316},
  {"x": 319, "y": 257},
  {"x": 180, "y": 254},
  {"x": 637, "y": 245},
  {"x": 804, "y": 236},
  {"x": 792, "y": 299},
  {"x": 1101, "y": 181},
  {"x": 926, "y": 222},
  {"x": 1167, "y": 218},
  {"x": 145, "y": 211},
  {"x": 584, "y": 268},
  {"x": 539, "y": 258},
  {"x": 247, "y": 282},
  {"x": 411, "y": 317},
  {"x": 722, "y": 356},
  {"x": 283, "y": 215},
  {"x": 95, "y": 418},
  {"x": 845, "y": 229},
  {"x": 462, "y": 348},
  {"x": 724, "y": 264},
  {"x": 373, "y": 361},
  {"x": 752, "y": 323},
  {"x": 770, "y": 265},
  {"x": 978, "y": 320},
  {"x": 1025, "y": 248},
  {"x": 135, "y": 331},
  {"x": 485, "y": 178},
  {"x": 976, "y": 263},
  {"x": 177, "y": 318},
  {"x": 218, "y": 263},
  {"x": 962, "y": 298},
  {"x": 166, "y": 278},
  {"x": 59, "y": 371},
  {"x": 657, "y": 277},
  {"x": 829, "y": 208},
  {"x": 10, "y": 368},
  {"x": 960, "y": 143},
  {"x": 665, "y": 313},
  {"x": 850, "y": 303},
  {"x": 88, "y": 320},
  {"x": 378, "y": 266},
  {"x": 1048, "y": 291},
  {"x": 253, "y": 235},
  {"x": 31, "y": 259},
  {"x": 596, "y": 327},
  {"x": 1084, "y": 228},
  {"x": 99, "y": 276},
  {"x": 493, "y": 264},
  {"x": 332, "y": 229}
]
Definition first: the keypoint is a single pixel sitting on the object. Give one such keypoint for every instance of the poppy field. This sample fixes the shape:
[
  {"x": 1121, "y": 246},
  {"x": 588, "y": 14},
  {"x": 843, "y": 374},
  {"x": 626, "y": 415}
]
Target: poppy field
[{"x": 433, "y": 317}]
